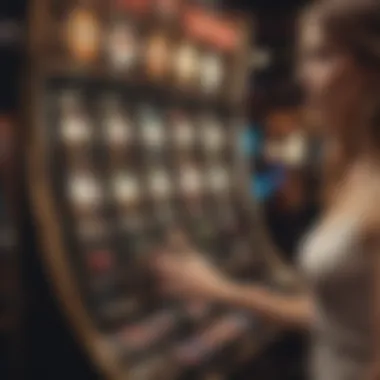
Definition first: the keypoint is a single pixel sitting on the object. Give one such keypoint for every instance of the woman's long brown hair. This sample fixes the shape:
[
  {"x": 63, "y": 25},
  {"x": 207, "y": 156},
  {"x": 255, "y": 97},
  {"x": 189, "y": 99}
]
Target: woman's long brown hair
[{"x": 354, "y": 27}]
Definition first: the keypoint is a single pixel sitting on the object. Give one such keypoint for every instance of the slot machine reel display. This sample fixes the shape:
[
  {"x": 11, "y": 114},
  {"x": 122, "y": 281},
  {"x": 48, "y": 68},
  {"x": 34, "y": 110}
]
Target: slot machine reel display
[{"x": 135, "y": 133}]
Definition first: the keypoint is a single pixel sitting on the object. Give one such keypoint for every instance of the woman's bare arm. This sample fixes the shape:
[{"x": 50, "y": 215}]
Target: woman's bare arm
[
  {"x": 192, "y": 277},
  {"x": 294, "y": 311}
]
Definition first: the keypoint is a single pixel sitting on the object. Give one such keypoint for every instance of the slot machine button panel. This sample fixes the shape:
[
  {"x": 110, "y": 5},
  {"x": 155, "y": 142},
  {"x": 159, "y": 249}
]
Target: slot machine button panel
[
  {"x": 140, "y": 337},
  {"x": 200, "y": 348}
]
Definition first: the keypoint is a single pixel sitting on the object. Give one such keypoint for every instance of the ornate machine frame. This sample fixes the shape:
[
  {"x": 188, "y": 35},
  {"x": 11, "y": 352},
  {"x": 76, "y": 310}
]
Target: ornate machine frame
[{"x": 58, "y": 54}]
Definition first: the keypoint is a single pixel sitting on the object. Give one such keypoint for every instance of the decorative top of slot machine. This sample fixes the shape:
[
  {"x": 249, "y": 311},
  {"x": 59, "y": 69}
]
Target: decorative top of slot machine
[
  {"x": 136, "y": 114},
  {"x": 171, "y": 45}
]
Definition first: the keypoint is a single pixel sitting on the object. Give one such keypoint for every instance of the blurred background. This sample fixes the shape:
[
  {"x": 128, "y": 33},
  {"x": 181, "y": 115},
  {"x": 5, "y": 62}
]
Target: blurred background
[{"x": 283, "y": 160}]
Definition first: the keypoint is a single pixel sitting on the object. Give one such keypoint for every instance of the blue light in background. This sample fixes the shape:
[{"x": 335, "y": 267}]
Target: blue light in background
[
  {"x": 265, "y": 185},
  {"x": 252, "y": 142}
]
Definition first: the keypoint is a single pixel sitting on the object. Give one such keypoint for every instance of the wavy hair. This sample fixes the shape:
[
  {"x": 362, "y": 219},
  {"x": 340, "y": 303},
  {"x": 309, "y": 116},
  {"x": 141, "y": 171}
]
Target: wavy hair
[{"x": 353, "y": 26}]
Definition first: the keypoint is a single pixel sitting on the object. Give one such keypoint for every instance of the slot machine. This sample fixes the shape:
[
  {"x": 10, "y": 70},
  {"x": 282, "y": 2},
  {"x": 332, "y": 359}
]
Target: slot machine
[{"x": 136, "y": 110}]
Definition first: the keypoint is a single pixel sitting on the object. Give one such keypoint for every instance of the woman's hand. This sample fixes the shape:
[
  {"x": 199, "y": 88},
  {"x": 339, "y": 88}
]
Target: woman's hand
[{"x": 187, "y": 274}]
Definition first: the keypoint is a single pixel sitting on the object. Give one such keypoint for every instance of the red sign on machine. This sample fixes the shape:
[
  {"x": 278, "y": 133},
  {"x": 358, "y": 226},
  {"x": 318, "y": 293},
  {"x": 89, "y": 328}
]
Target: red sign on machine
[{"x": 211, "y": 29}]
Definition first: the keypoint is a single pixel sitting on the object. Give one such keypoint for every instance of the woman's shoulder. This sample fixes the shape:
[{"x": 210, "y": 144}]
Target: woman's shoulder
[
  {"x": 359, "y": 201},
  {"x": 357, "y": 204},
  {"x": 369, "y": 207}
]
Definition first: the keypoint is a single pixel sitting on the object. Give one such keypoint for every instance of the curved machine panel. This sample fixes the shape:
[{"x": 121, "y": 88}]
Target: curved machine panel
[{"x": 136, "y": 110}]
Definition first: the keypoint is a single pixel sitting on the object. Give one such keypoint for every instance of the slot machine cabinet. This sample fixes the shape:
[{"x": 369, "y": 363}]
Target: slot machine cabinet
[{"x": 136, "y": 110}]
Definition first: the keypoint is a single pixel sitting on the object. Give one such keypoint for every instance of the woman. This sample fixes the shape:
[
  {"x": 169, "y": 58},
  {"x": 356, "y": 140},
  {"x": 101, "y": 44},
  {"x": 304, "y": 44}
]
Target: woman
[{"x": 340, "y": 258}]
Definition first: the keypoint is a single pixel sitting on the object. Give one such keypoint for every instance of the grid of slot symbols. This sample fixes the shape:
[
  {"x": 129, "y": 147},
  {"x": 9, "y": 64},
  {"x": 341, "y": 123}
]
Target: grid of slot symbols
[
  {"x": 174, "y": 48},
  {"x": 136, "y": 154},
  {"x": 183, "y": 61}
]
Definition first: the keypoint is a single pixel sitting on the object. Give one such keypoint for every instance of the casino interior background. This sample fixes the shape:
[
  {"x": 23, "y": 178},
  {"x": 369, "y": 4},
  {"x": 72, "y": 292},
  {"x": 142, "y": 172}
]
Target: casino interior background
[{"x": 36, "y": 340}]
